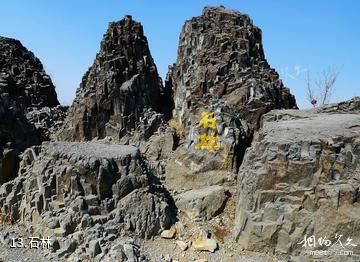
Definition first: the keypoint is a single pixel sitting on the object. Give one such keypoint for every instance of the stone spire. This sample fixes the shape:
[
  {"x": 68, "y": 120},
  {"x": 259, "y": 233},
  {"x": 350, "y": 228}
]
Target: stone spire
[{"x": 221, "y": 58}]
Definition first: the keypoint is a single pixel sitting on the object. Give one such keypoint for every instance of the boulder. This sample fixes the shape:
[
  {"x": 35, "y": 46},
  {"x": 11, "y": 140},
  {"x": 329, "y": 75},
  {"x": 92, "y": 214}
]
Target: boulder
[
  {"x": 182, "y": 245},
  {"x": 203, "y": 243},
  {"x": 169, "y": 233}
]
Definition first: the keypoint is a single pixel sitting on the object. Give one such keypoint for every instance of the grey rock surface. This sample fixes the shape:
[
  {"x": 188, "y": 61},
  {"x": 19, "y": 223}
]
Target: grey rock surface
[
  {"x": 301, "y": 176},
  {"x": 202, "y": 204},
  {"x": 24, "y": 87},
  {"x": 221, "y": 68},
  {"x": 24, "y": 75},
  {"x": 80, "y": 192},
  {"x": 221, "y": 57},
  {"x": 117, "y": 90},
  {"x": 47, "y": 120}
]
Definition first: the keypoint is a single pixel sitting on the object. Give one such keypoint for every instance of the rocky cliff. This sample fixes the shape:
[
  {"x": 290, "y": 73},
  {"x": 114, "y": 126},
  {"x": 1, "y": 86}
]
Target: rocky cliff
[
  {"x": 221, "y": 57},
  {"x": 16, "y": 134},
  {"x": 221, "y": 68},
  {"x": 301, "y": 177},
  {"x": 118, "y": 88},
  {"x": 25, "y": 88}
]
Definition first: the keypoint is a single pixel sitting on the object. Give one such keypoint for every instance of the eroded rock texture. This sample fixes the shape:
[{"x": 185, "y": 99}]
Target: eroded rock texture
[
  {"x": 220, "y": 57},
  {"x": 47, "y": 120},
  {"x": 87, "y": 193},
  {"x": 220, "y": 68},
  {"x": 116, "y": 90},
  {"x": 301, "y": 176},
  {"x": 24, "y": 88},
  {"x": 27, "y": 82},
  {"x": 16, "y": 134}
]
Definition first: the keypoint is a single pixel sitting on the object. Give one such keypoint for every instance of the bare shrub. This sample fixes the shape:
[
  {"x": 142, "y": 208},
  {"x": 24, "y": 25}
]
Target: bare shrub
[{"x": 325, "y": 87}]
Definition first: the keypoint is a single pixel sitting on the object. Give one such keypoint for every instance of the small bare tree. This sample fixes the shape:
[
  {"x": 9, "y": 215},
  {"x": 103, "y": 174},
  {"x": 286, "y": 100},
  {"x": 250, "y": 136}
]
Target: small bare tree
[
  {"x": 310, "y": 91},
  {"x": 325, "y": 85}
]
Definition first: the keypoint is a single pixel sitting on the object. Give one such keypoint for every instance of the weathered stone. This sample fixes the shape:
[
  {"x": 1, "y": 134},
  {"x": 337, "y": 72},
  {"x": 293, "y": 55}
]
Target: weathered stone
[
  {"x": 159, "y": 147},
  {"x": 70, "y": 245},
  {"x": 221, "y": 58},
  {"x": 118, "y": 91},
  {"x": 201, "y": 204},
  {"x": 47, "y": 120},
  {"x": 53, "y": 223},
  {"x": 24, "y": 87},
  {"x": 82, "y": 198},
  {"x": 205, "y": 245},
  {"x": 94, "y": 248},
  {"x": 55, "y": 245},
  {"x": 220, "y": 69},
  {"x": 139, "y": 214},
  {"x": 28, "y": 85},
  {"x": 169, "y": 233},
  {"x": 182, "y": 245},
  {"x": 201, "y": 260},
  {"x": 123, "y": 252},
  {"x": 300, "y": 177}
]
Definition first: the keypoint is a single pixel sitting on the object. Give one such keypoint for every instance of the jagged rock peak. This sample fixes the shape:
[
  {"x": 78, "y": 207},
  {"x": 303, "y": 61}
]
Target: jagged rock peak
[
  {"x": 121, "y": 84},
  {"x": 221, "y": 57},
  {"x": 25, "y": 89},
  {"x": 22, "y": 75}
]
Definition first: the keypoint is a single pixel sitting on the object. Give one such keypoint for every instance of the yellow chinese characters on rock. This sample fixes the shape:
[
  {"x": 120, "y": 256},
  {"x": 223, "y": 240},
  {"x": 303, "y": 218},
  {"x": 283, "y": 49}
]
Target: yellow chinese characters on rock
[{"x": 208, "y": 138}]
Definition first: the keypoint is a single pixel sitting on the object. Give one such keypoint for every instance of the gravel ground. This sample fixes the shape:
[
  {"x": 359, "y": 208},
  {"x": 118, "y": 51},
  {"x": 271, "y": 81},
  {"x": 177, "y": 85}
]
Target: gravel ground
[
  {"x": 166, "y": 250},
  {"x": 156, "y": 250}
]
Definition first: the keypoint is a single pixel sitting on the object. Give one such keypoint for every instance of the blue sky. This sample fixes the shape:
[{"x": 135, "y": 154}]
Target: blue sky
[{"x": 297, "y": 36}]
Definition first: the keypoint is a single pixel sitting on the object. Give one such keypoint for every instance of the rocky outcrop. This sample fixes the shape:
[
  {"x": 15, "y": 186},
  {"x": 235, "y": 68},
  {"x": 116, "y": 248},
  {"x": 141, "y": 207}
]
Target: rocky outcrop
[
  {"x": 24, "y": 88},
  {"x": 220, "y": 69},
  {"x": 86, "y": 192},
  {"x": 201, "y": 204},
  {"x": 47, "y": 120},
  {"x": 16, "y": 134},
  {"x": 301, "y": 178},
  {"x": 220, "y": 57},
  {"x": 120, "y": 86},
  {"x": 24, "y": 75}
]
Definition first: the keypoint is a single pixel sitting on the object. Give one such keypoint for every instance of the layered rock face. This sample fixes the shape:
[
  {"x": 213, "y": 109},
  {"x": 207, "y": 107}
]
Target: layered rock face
[
  {"x": 25, "y": 88},
  {"x": 301, "y": 178},
  {"x": 121, "y": 84},
  {"x": 220, "y": 57},
  {"x": 220, "y": 68},
  {"x": 86, "y": 192}
]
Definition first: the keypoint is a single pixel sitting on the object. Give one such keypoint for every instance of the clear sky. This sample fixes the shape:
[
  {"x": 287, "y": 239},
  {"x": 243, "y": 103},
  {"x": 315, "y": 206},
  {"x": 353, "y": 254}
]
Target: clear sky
[{"x": 297, "y": 36}]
